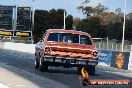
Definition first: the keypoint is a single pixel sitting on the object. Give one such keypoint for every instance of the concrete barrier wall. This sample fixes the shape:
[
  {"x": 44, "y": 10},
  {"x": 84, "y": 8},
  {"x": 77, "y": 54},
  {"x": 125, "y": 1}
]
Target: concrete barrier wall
[
  {"x": 28, "y": 48},
  {"x": 116, "y": 59},
  {"x": 2, "y": 45},
  {"x": 130, "y": 62},
  {"x": 120, "y": 60},
  {"x": 105, "y": 57}
]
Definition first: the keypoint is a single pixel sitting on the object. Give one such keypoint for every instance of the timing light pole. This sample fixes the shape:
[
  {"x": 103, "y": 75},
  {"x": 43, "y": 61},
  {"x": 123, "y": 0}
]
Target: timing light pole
[
  {"x": 32, "y": 22},
  {"x": 124, "y": 26}
]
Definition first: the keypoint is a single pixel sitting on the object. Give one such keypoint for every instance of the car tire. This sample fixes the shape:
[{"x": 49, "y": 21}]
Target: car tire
[
  {"x": 79, "y": 69},
  {"x": 36, "y": 63},
  {"x": 90, "y": 69},
  {"x": 43, "y": 66}
]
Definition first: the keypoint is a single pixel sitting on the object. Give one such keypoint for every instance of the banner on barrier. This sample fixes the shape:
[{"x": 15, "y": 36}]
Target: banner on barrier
[
  {"x": 120, "y": 60},
  {"x": 130, "y": 62},
  {"x": 104, "y": 57}
]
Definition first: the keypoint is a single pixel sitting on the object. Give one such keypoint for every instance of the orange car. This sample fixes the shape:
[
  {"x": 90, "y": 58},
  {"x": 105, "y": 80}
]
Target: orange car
[{"x": 67, "y": 48}]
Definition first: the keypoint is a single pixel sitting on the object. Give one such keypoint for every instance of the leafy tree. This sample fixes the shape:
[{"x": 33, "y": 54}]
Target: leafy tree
[
  {"x": 41, "y": 23},
  {"x": 118, "y": 11},
  {"x": 86, "y": 10},
  {"x": 102, "y": 23},
  {"x": 99, "y": 9},
  {"x": 91, "y": 26},
  {"x": 92, "y": 11},
  {"x": 113, "y": 24},
  {"x": 76, "y": 21},
  {"x": 52, "y": 19},
  {"x": 56, "y": 19},
  {"x": 69, "y": 22},
  {"x": 128, "y": 31}
]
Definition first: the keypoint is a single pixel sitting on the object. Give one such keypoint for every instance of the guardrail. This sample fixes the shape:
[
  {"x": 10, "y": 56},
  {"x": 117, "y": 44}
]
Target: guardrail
[{"x": 112, "y": 46}]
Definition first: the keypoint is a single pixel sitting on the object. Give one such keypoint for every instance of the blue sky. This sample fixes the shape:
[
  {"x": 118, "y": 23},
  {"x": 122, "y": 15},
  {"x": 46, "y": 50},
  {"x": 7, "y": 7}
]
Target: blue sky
[{"x": 69, "y": 5}]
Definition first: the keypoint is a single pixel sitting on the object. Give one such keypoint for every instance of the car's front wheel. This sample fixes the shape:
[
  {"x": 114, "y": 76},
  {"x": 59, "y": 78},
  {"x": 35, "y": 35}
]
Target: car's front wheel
[
  {"x": 36, "y": 63},
  {"x": 43, "y": 66}
]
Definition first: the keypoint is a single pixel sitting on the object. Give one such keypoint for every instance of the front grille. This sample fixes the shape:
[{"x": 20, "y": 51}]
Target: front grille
[{"x": 72, "y": 51}]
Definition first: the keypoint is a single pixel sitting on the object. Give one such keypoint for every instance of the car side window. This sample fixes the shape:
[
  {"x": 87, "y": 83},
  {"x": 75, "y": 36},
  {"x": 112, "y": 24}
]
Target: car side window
[
  {"x": 53, "y": 37},
  {"x": 85, "y": 40}
]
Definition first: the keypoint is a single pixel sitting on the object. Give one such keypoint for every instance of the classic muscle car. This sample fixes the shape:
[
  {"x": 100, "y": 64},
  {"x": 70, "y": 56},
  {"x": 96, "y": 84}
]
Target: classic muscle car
[{"x": 67, "y": 48}]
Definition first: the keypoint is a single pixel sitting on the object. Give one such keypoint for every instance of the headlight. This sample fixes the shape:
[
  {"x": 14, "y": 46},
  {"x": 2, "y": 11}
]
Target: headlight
[
  {"x": 47, "y": 50},
  {"x": 95, "y": 54}
]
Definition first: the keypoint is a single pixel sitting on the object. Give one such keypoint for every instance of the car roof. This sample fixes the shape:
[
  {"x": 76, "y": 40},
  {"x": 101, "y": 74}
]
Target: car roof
[{"x": 66, "y": 31}]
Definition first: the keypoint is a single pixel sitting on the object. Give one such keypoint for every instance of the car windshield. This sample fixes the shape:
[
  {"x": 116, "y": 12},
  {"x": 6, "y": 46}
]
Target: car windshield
[{"x": 70, "y": 38}]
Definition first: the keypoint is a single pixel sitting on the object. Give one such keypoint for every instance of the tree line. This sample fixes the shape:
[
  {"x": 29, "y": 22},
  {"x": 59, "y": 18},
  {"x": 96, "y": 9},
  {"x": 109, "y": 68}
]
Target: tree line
[
  {"x": 100, "y": 22},
  {"x": 52, "y": 19}
]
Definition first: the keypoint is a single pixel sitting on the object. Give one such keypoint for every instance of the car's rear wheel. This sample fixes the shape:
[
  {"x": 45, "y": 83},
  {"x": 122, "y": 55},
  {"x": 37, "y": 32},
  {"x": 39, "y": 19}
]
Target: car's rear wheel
[
  {"x": 91, "y": 70},
  {"x": 79, "y": 69},
  {"x": 36, "y": 63},
  {"x": 43, "y": 66}
]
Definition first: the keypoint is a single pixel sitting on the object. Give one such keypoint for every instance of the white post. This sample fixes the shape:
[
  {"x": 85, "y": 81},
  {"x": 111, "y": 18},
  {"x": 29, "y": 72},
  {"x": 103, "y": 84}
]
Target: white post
[
  {"x": 120, "y": 47},
  {"x": 131, "y": 47},
  {"x": 124, "y": 27},
  {"x": 102, "y": 45},
  {"x": 95, "y": 45},
  {"x": 101, "y": 41},
  {"x": 32, "y": 22},
  {"x": 116, "y": 47},
  {"x": 15, "y": 20},
  {"x": 99, "y": 45},
  {"x": 64, "y": 20},
  {"x": 107, "y": 43},
  {"x": 112, "y": 46},
  {"x": 126, "y": 47}
]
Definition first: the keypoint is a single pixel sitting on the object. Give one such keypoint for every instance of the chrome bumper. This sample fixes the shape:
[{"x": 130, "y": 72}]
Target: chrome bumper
[{"x": 72, "y": 61}]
